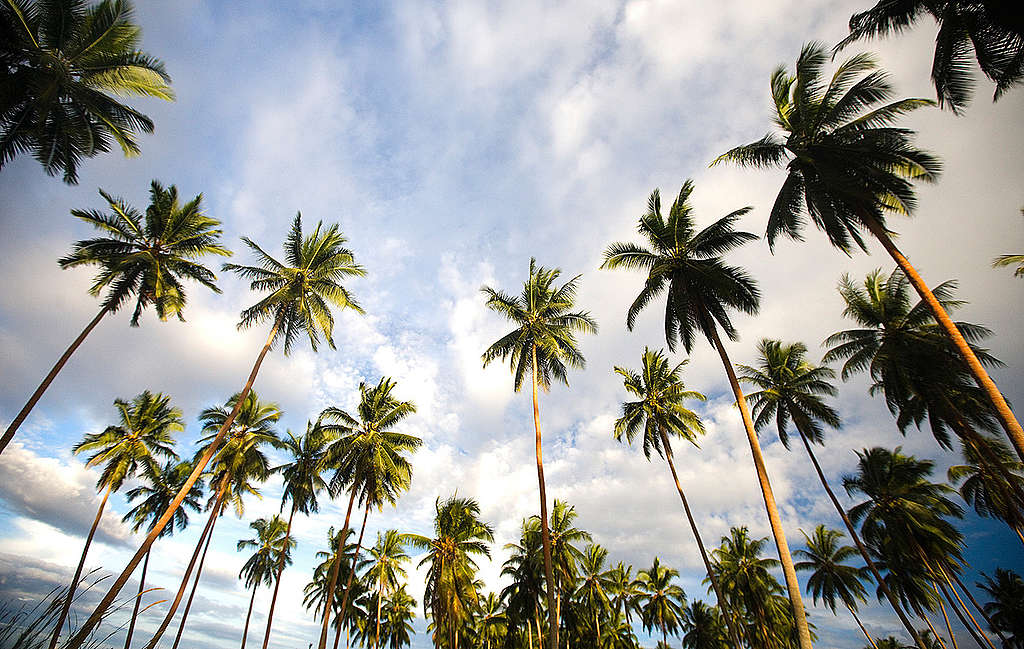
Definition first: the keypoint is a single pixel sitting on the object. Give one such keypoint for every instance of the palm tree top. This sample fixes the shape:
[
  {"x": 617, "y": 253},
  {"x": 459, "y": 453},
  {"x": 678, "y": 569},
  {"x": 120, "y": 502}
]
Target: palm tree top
[
  {"x": 161, "y": 485},
  {"x": 302, "y": 476},
  {"x": 143, "y": 256},
  {"x": 270, "y": 549},
  {"x": 547, "y": 327},
  {"x": 688, "y": 265},
  {"x": 844, "y": 157},
  {"x": 302, "y": 288},
  {"x": 831, "y": 579}
]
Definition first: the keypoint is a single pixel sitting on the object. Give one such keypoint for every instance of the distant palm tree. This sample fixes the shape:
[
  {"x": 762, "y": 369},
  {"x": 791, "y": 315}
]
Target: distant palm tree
[
  {"x": 385, "y": 569},
  {"x": 661, "y": 602},
  {"x": 1010, "y": 260},
  {"x": 831, "y": 578},
  {"x": 525, "y": 570},
  {"x": 142, "y": 258},
  {"x": 1006, "y": 610},
  {"x": 64, "y": 64},
  {"x": 298, "y": 301},
  {"x": 992, "y": 491},
  {"x": 273, "y": 547},
  {"x": 703, "y": 628},
  {"x": 398, "y": 617},
  {"x": 624, "y": 590},
  {"x": 847, "y": 168},
  {"x": 565, "y": 556},
  {"x": 595, "y": 582},
  {"x": 749, "y": 586},
  {"x": 493, "y": 623},
  {"x": 544, "y": 344},
  {"x": 157, "y": 491},
  {"x": 701, "y": 290},
  {"x": 143, "y": 433}
]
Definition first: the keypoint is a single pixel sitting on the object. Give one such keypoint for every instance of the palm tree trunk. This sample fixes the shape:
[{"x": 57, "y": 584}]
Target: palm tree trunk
[
  {"x": 245, "y": 633},
  {"x": 545, "y": 535},
  {"x": 949, "y": 628},
  {"x": 984, "y": 381},
  {"x": 83, "y": 634},
  {"x": 277, "y": 581},
  {"x": 78, "y": 571},
  {"x": 380, "y": 594},
  {"x": 977, "y": 606},
  {"x": 337, "y": 637},
  {"x": 960, "y": 609},
  {"x": 333, "y": 581},
  {"x": 1019, "y": 533},
  {"x": 934, "y": 632},
  {"x": 700, "y": 543},
  {"x": 792, "y": 585},
  {"x": 860, "y": 546},
  {"x": 865, "y": 631},
  {"x": 529, "y": 635},
  {"x": 203, "y": 542},
  {"x": 23, "y": 413},
  {"x": 355, "y": 559},
  {"x": 192, "y": 593},
  {"x": 138, "y": 601}
]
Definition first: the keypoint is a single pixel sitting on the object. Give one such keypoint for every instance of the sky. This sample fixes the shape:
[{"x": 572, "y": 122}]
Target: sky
[{"x": 452, "y": 142}]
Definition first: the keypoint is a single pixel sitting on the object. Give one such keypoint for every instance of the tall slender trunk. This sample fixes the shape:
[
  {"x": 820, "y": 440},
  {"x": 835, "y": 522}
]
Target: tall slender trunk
[
  {"x": 545, "y": 535},
  {"x": 27, "y": 408},
  {"x": 960, "y": 609},
  {"x": 529, "y": 635},
  {"x": 700, "y": 543},
  {"x": 245, "y": 633},
  {"x": 138, "y": 601},
  {"x": 865, "y": 631},
  {"x": 984, "y": 381},
  {"x": 192, "y": 593},
  {"x": 101, "y": 609},
  {"x": 935, "y": 633},
  {"x": 355, "y": 558},
  {"x": 949, "y": 628},
  {"x": 893, "y": 601},
  {"x": 380, "y": 595},
  {"x": 277, "y": 580},
  {"x": 332, "y": 583},
  {"x": 78, "y": 571},
  {"x": 792, "y": 585},
  {"x": 337, "y": 636},
  {"x": 977, "y": 606},
  {"x": 536, "y": 618}
]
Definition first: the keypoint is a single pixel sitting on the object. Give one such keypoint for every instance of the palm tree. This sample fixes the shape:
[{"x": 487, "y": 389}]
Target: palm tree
[
  {"x": 65, "y": 62},
  {"x": 493, "y": 623},
  {"x": 564, "y": 555},
  {"x": 369, "y": 460},
  {"x": 831, "y": 578},
  {"x": 792, "y": 389},
  {"x": 525, "y": 569},
  {"x": 157, "y": 491},
  {"x": 1006, "y": 610},
  {"x": 847, "y": 168},
  {"x": 543, "y": 344},
  {"x": 386, "y": 559},
  {"x": 661, "y": 602},
  {"x": 992, "y": 491},
  {"x": 991, "y": 29},
  {"x": 302, "y": 482},
  {"x": 398, "y": 616},
  {"x": 595, "y": 582},
  {"x": 660, "y": 412},
  {"x": 451, "y": 592},
  {"x": 142, "y": 258},
  {"x": 144, "y": 431},
  {"x": 273, "y": 547},
  {"x": 297, "y": 303},
  {"x": 702, "y": 289},
  {"x": 703, "y": 628},
  {"x": 315, "y": 592},
  {"x": 625, "y": 591}
]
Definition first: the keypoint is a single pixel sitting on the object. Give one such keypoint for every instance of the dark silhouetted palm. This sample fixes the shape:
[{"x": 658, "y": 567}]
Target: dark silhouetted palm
[
  {"x": 1006, "y": 610},
  {"x": 703, "y": 628},
  {"x": 661, "y": 602},
  {"x": 992, "y": 491}
]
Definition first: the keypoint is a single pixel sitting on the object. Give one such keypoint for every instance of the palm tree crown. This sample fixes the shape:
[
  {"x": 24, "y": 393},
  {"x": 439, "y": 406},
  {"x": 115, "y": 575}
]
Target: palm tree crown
[
  {"x": 830, "y": 578},
  {"x": 270, "y": 544},
  {"x": 160, "y": 487},
  {"x": 661, "y": 602}
]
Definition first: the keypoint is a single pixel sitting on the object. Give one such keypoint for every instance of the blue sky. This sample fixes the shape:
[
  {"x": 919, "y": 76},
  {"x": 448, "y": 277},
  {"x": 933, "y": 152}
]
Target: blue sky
[{"x": 452, "y": 142}]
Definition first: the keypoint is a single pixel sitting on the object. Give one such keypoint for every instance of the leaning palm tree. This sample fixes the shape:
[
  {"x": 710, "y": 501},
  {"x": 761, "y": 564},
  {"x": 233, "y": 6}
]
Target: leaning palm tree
[
  {"x": 144, "y": 432},
  {"x": 386, "y": 571},
  {"x": 831, "y": 579},
  {"x": 847, "y": 168},
  {"x": 992, "y": 491},
  {"x": 525, "y": 570},
  {"x": 142, "y": 258},
  {"x": 661, "y": 601},
  {"x": 543, "y": 344},
  {"x": 660, "y": 412},
  {"x": 65, "y": 63},
  {"x": 160, "y": 486},
  {"x": 299, "y": 295},
  {"x": 273, "y": 547},
  {"x": 702, "y": 289}
]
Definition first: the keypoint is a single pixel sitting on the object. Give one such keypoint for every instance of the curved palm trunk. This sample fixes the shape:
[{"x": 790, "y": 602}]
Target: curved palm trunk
[
  {"x": 47, "y": 380},
  {"x": 203, "y": 541},
  {"x": 138, "y": 600},
  {"x": 245, "y": 633},
  {"x": 545, "y": 535},
  {"x": 332, "y": 583},
  {"x": 192, "y": 593},
  {"x": 984, "y": 381},
  {"x": 78, "y": 572},
  {"x": 977, "y": 606},
  {"x": 355, "y": 559},
  {"x": 860, "y": 546},
  {"x": 700, "y": 544},
  {"x": 792, "y": 585},
  {"x": 277, "y": 582},
  {"x": 865, "y": 631},
  {"x": 83, "y": 634}
]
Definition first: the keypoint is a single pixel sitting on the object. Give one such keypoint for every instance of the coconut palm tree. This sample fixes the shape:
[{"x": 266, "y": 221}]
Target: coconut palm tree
[
  {"x": 492, "y": 627},
  {"x": 543, "y": 344},
  {"x": 624, "y": 590},
  {"x": 142, "y": 258},
  {"x": 525, "y": 570},
  {"x": 303, "y": 481},
  {"x": 661, "y": 602},
  {"x": 398, "y": 616},
  {"x": 298, "y": 302},
  {"x": 368, "y": 460},
  {"x": 386, "y": 571},
  {"x": 831, "y": 579},
  {"x": 160, "y": 485},
  {"x": 144, "y": 432},
  {"x": 273, "y": 547},
  {"x": 564, "y": 554},
  {"x": 702, "y": 289},
  {"x": 703, "y": 628},
  {"x": 315, "y": 592},
  {"x": 661, "y": 411},
  {"x": 65, "y": 63},
  {"x": 1006, "y": 610},
  {"x": 992, "y": 491},
  {"x": 595, "y": 583},
  {"x": 847, "y": 168},
  {"x": 990, "y": 29},
  {"x": 451, "y": 592}
]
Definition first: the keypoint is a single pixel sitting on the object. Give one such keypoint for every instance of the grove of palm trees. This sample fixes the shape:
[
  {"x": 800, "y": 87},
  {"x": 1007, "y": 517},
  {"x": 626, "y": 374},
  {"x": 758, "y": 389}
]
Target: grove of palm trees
[{"x": 614, "y": 325}]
